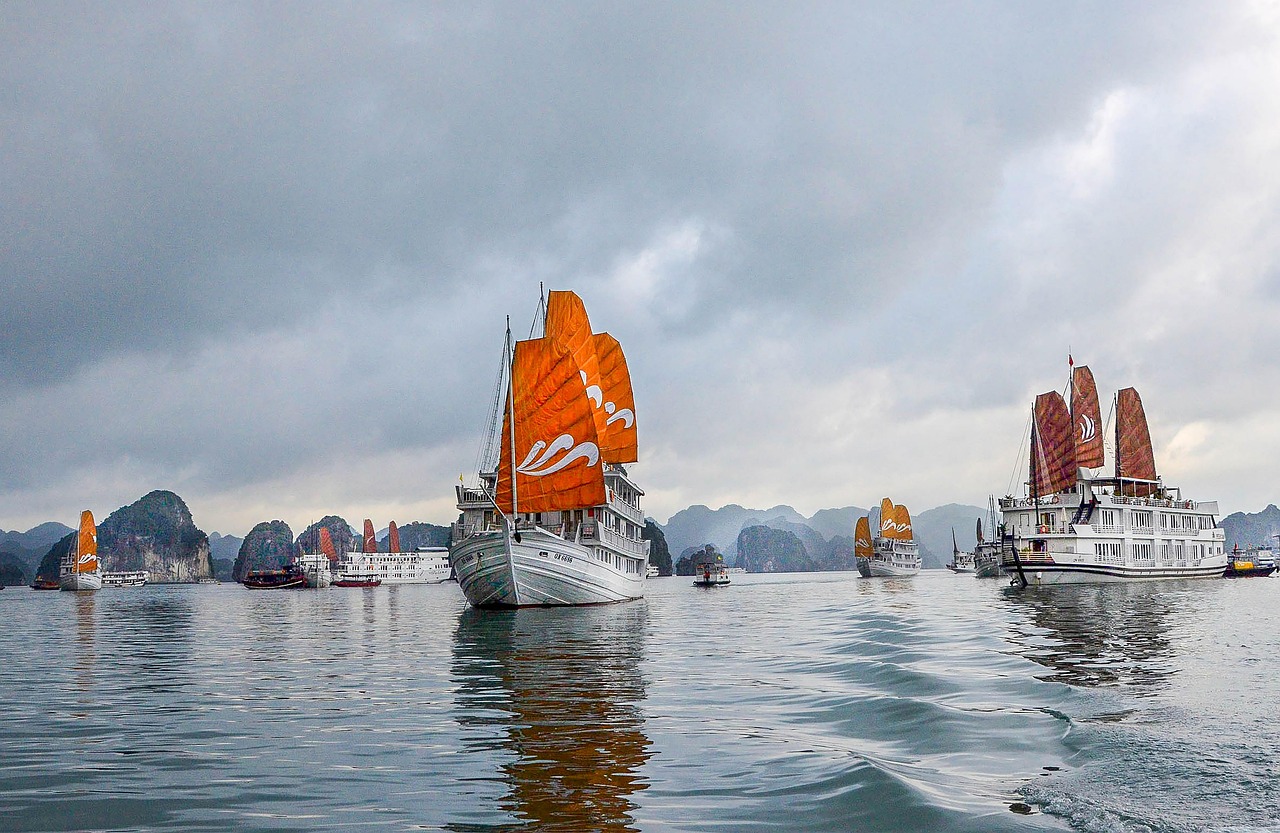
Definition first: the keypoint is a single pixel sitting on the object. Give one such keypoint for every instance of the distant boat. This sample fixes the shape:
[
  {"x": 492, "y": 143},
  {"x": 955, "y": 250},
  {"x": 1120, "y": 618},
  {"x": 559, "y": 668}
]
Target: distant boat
[
  {"x": 285, "y": 579},
  {"x": 986, "y": 554},
  {"x": 132, "y": 578},
  {"x": 1076, "y": 526},
  {"x": 556, "y": 519},
  {"x": 424, "y": 565},
  {"x": 46, "y": 584},
  {"x": 357, "y": 580},
  {"x": 652, "y": 571},
  {"x": 710, "y": 574},
  {"x": 80, "y": 569},
  {"x": 961, "y": 562},
  {"x": 892, "y": 553}
]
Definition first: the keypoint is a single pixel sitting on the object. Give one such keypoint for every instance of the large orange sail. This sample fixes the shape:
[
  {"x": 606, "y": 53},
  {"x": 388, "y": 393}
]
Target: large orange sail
[
  {"x": 604, "y": 372},
  {"x": 902, "y": 523},
  {"x": 862, "y": 539},
  {"x": 1134, "y": 456},
  {"x": 618, "y": 442},
  {"x": 556, "y": 444},
  {"x": 87, "y": 544},
  {"x": 393, "y": 538},
  {"x": 326, "y": 544},
  {"x": 370, "y": 539},
  {"x": 1087, "y": 416},
  {"x": 886, "y": 518},
  {"x": 1053, "y": 448}
]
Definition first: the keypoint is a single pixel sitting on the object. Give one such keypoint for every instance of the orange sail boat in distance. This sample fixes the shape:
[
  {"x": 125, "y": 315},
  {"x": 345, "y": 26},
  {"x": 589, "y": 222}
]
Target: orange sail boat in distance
[
  {"x": 893, "y": 551},
  {"x": 80, "y": 569},
  {"x": 556, "y": 519}
]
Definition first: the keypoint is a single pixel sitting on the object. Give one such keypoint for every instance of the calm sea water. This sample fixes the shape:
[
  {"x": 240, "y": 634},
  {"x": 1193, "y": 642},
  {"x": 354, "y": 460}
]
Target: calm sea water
[{"x": 818, "y": 702}]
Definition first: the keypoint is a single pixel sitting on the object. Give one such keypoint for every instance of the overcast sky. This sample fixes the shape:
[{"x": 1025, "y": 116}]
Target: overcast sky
[{"x": 261, "y": 254}]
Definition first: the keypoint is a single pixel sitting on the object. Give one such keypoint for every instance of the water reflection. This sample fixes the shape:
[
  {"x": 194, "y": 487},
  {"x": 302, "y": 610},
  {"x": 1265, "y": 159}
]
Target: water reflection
[
  {"x": 85, "y": 649},
  {"x": 562, "y": 687},
  {"x": 1097, "y": 635}
]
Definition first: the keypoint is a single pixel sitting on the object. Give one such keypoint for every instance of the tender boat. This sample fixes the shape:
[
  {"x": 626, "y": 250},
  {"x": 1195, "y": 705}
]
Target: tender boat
[
  {"x": 286, "y": 579},
  {"x": 1078, "y": 525},
  {"x": 961, "y": 562},
  {"x": 709, "y": 574},
  {"x": 652, "y": 571},
  {"x": 80, "y": 569},
  {"x": 892, "y": 553},
  {"x": 131, "y": 578},
  {"x": 46, "y": 584},
  {"x": 1251, "y": 562},
  {"x": 556, "y": 520}
]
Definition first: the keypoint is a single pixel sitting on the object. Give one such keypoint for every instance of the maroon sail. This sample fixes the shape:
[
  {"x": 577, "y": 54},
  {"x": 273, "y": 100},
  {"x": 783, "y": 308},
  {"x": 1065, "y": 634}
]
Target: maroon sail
[
  {"x": 1134, "y": 457},
  {"x": 393, "y": 538},
  {"x": 1087, "y": 415},
  {"x": 1053, "y": 448},
  {"x": 370, "y": 539}
]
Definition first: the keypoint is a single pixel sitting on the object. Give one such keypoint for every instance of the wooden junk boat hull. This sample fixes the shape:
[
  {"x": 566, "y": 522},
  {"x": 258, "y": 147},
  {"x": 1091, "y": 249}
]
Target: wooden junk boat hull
[{"x": 273, "y": 580}]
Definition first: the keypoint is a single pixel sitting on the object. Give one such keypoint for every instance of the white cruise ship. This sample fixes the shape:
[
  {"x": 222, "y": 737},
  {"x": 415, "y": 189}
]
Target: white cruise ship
[
  {"x": 556, "y": 519},
  {"x": 892, "y": 553},
  {"x": 1078, "y": 524},
  {"x": 423, "y": 565}
]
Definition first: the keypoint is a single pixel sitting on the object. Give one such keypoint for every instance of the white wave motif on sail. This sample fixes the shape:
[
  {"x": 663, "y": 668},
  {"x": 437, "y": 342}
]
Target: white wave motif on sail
[
  {"x": 543, "y": 466},
  {"x": 1087, "y": 429},
  {"x": 627, "y": 418}
]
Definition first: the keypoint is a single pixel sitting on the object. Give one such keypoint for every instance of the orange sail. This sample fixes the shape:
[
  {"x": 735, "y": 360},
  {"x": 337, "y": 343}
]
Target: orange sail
[
  {"x": 902, "y": 523},
  {"x": 326, "y": 544},
  {"x": 556, "y": 443},
  {"x": 393, "y": 538},
  {"x": 605, "y": 377},
  {"x": 1134, "y": 457},
  {"x": 862, "y": 539},
  {"x": 618, "y": 434},
  {"x": 370, "y": 539},
  {"x": 887, "y": 519},
  {"x": 87, "y": 544},
  {"x": 1053, "y": 448},
  {"x": 1087, "y": 415}
]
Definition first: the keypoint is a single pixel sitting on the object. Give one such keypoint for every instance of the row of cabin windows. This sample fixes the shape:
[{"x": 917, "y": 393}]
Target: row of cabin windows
[
  {"x": 1112, "y": 552},
  {"x": 1139, "y": 520}
]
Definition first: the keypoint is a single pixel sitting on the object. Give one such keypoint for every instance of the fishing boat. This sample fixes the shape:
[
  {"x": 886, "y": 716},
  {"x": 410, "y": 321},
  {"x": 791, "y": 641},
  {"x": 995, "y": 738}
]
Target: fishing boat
[
  {"x": 288, "y": 578},
  {"x": 961, "y": 562},
  {"x": 556, "y": 519},
  {"x": 130, "y": 578},
  {"x": 1079, "y": 524},
  {"x": 422, "y": 565},
  {"x": 711, "y": 574},
  {"x": 1254, "y": 561},
  {"x": 894, "y": 552},
  {"x": 46, "y": 584},
  {"x": 80, "y": 569}
]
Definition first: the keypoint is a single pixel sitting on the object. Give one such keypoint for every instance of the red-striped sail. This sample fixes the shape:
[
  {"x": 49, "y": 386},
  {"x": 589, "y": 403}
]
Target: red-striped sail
[
  {"x": 370, "y": 539},
  {"x": 1134, "y": 456},
  {"x": 1053, "y": 448},
  {"x": 326, "y": 544},
  {"x": 1087, "y": 414},
  {"x": 393, "y": 538}
]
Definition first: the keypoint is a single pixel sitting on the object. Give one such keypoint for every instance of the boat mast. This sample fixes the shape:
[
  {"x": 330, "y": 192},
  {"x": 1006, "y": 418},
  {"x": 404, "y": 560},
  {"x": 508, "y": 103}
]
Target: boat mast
[
  {"x": 1115, "y": 403},
  {"x": 511, "y": 403}
]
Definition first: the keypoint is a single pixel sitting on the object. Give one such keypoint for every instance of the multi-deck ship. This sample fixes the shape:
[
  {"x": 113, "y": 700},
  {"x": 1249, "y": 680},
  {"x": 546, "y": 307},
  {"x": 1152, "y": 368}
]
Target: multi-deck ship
[
  {"x": 80, "y": 569},
  {"x": 423, "y": 565},
  {"x": 556, "y": 519},
  {"x": 894, "y": 551},
  {"x": 1077, "y": 524}
]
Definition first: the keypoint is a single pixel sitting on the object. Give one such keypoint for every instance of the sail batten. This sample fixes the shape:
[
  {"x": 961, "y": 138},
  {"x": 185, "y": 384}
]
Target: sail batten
[
  {"x": 1135, "y": 458},
  {"x": 1086, "y": 414},
  {"x": 1053, "y": 448}
]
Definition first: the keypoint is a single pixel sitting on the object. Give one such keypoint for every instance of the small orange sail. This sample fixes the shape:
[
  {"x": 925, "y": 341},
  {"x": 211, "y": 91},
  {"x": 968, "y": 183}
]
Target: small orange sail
[
  {"x": 556, "y": 444},
  {"x": 887, "y": 518},
  {"x": 370, "y": 539},
  {"x": 1087, "y": 414},
  {"x": 393, "y": 538},
  {"x": 862, "y": 539},
  {"x": 87, "y": 544},
  {"x": 1134, "y": 456},
  {"x": 1053, "y": 447},
  {"x": 902, "y": 523},
  {"x": 326, "y": 544},
  {"x": 616, "y": 417}
]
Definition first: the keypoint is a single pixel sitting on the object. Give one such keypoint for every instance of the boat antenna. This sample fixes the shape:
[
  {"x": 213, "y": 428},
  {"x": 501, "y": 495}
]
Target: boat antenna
[{"x": 541, "y": 315}]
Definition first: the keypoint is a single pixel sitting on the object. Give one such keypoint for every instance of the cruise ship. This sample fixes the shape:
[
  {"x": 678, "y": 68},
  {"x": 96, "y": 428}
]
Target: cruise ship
[
  {"x": 894, "y": 551},
  {"x": 556, "y": 519},
  {"x": 1078, "y": 523},
  {"x": 423, "y": 565}
]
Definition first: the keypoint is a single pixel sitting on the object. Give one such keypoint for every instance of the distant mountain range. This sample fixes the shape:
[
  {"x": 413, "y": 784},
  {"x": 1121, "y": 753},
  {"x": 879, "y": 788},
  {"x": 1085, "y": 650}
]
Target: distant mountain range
[
  {"x": 25, "y": 549},
  {"x": 699, "y": 525}
]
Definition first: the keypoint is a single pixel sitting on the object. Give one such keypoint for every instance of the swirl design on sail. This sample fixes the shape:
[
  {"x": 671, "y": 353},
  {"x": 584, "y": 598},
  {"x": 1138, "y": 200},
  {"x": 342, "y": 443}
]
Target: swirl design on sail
[
  {"x": 862, "y": 539},
  {"x": 540, "y": 468},
  {"x": 87, "y": 544}
]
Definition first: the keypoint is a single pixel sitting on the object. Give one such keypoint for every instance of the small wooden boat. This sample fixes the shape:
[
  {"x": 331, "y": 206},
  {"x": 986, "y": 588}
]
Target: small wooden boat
[
  {"x": 288, "y": 578},
  {"x": 45, "y": 584}
]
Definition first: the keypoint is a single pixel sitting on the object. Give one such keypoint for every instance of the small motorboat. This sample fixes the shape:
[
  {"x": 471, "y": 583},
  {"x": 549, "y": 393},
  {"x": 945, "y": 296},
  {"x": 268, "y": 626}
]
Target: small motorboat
[
  {"x": 286, "y": 579},
  {"x": 710, "y": 575},
  {"x": 46, "y": 584},
  {"x": 356, "y": 580},
  {"x": 1251, "y": 562}
]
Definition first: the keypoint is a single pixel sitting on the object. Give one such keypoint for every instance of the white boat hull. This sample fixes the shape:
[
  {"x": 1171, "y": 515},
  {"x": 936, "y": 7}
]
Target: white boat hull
[
  {"x": 880, "y": 568},
  {"x": 541, "y": 569},
  {"x": 1038, "y": 574},
  {"x": 427, "y": 567},
  {"x": 80, "y": 581}
]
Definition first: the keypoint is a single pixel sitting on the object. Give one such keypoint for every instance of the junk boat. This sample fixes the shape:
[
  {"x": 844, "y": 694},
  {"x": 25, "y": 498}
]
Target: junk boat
[
  {"x": 80, "y": 569},
  {"x": 423, "y": 565},
  {"x": 285, "y": 579},
  {"x": 556, "y": 519},
  {"x": 1078, "y": 525},
  {"x": 894, "y": 551}
]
